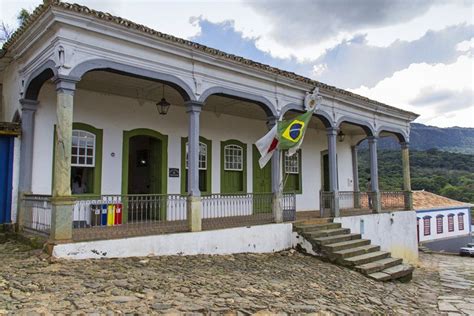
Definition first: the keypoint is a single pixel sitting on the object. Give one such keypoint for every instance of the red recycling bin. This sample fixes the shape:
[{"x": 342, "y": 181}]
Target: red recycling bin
[{"x": 118, "y": 214}]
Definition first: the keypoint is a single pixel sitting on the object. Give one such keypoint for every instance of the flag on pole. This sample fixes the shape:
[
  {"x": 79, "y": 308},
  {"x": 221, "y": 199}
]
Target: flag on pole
[
  {"x": 266, "y": 146},
  {"x": 290, "y": 133}
]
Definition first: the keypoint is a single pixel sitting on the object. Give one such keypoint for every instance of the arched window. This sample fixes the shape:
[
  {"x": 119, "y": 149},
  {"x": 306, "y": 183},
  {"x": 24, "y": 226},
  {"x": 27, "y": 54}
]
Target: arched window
[
  {"x": 233, "y": 167},
  {"x": 450, "y": 222},
  {"x": 204, "y": 165},
  {"x": 439, "y": 224},
  {"x": 461, "y": 221},
  {"x": 427, "y": 225}
]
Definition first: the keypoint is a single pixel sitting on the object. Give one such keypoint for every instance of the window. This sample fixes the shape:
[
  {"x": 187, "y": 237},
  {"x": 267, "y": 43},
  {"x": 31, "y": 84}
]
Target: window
[
  {"x": 202, "y": 156},
  {"x": 233, "y": 158},
  {"x": 233, "y": 167},
  {"x": 292, "y": 165},
  {"x": 427, "y": 225},
  {"x": 461, "y": 221},
  {"x": 450, "y": 222},
  {"x": 292, "y": 172},
  {"x": 86, "y": 159},
  {"x": 439, "y": 224},
  {"x": 204, "y": 164},
  {"x": 83, "y": 149}
]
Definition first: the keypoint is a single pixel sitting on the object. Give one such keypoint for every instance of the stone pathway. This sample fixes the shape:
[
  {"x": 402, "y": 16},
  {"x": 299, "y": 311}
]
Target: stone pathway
[{"x": 286, "y": 282}]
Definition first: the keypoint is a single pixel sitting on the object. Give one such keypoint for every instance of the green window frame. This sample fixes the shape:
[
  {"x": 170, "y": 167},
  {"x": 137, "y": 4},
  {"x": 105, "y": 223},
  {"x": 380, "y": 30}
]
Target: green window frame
[
  {"x": 292, "y": 173},
  {"x": 97, "y": 170},
  {"x": 233, "y": 180},
  {"x": 207, "y": 173}
]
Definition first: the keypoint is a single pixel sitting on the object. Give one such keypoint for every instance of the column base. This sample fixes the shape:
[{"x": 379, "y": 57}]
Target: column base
[
  {"x": 277, "y": 207},
  {"x": 61, "y": 219},
  {"x": 335, "y": 204},
  {"x": 377, "y": 203},
  {"x": 194, "y": 213}
]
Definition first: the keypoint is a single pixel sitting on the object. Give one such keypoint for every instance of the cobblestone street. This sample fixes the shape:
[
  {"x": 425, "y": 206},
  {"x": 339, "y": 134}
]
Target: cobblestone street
[{"x": 286, "y": 282}]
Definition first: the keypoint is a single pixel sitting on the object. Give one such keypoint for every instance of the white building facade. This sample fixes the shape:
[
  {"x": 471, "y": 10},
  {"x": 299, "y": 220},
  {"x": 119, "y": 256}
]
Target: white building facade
[{"x": 85, "y": 87}]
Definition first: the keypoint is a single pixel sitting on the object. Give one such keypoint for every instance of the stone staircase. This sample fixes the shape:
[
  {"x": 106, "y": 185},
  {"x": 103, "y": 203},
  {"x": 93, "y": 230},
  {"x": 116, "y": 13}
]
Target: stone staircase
[{"x": 340, "y": 246}]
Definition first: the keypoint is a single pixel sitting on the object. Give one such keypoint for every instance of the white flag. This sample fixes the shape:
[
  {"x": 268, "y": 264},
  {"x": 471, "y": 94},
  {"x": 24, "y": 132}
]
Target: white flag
[{"x": 266, "y": 146}]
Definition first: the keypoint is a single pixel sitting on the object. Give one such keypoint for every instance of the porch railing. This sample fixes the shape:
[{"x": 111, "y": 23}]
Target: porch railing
[
  {"x": 112, "y": 216},
  {"x": 353, "y": 200},
  {"x": 36, "y": 214},
  {"x": 289, "y": 207}
]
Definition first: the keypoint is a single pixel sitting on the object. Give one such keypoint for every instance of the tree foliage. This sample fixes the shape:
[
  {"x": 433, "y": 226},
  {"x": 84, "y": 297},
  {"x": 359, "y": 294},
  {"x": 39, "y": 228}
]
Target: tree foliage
[{"x": 440, "y": 172}]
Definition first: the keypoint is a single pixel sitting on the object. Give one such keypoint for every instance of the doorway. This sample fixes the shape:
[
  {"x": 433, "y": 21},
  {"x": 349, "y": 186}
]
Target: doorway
[
  {"x": 6, "y": 168},
  {"x": 144, "y": 161}
]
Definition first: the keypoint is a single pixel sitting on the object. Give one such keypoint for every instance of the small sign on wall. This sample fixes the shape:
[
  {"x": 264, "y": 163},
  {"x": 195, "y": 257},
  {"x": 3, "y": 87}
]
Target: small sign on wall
[{"x": 174, "y": 172}]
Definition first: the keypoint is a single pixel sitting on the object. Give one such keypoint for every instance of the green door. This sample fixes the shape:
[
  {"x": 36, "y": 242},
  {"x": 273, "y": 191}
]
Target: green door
[
  {"x": 262, "y": 183},
  {"x": 157, "y": 205}
]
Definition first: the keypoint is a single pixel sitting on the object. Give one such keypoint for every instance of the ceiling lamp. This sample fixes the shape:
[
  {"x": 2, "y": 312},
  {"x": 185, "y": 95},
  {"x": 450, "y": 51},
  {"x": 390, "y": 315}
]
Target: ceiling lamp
[
  {"x": 341, "y": 136},
  {"x": 163, "y": 106}
]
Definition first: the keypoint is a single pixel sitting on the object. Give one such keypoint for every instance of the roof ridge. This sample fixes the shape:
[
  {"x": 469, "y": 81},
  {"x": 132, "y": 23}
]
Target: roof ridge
[{"x": 176, "y": 40}]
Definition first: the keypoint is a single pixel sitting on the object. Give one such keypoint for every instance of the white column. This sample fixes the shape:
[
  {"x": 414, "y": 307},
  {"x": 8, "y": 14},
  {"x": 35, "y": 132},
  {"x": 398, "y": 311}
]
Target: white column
[
  {"x": 277, "y": 189},
  {"x": 374, "y": 173},
  {"x": 332, "y": 157}
]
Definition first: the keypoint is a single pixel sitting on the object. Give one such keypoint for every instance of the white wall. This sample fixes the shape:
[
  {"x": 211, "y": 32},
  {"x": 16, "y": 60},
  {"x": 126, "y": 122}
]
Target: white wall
[
  {"x": 255, "y": 239},
  {"x": 394, "y": 232},
  {"x": 114, "y": 114},
  {"x": 15, "y": 178},
  {"x": 445, "y": 234}
]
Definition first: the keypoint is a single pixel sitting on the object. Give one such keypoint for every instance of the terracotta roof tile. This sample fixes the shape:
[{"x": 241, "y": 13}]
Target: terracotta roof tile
[
  {"x": 41, "y": 9},
  {"x": 423, "y": 200}
]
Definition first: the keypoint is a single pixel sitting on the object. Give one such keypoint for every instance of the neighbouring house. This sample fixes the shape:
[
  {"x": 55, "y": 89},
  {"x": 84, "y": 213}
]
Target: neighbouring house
[
  {"x": 126, "y": 131},
  {"x": 440, "y": 219}
]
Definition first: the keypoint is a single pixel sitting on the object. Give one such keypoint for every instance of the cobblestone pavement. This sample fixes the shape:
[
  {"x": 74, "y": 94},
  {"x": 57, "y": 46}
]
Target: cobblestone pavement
[{"x": 286, "y": 282}]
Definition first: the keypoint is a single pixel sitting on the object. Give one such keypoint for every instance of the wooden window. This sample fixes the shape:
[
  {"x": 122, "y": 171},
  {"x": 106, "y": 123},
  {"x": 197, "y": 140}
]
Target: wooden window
[
  {"x": 439, "y": 224},
  {"x": 233, "y": 158},
  {"x": 461, "y": 221},
  {"x": 83, "y": 149},
  {"x": 233, "y": 167},
  {"x": 205, "y": 165},
  {"x": 292, "y": 172},
  {"x": 202, "y": 156},
  {"x": 86, "y": 159},
  {"x": 427, "y": 225},
  {"x": 450, "y": 222}
]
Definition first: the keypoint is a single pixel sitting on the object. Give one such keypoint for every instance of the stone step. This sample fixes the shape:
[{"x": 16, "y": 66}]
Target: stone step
[
  {"x": 321, "y": 241},
  {"x": 379, "y": 265},
  {"x": 313, "y": 221},
  {"x": 306, "y": 228},
  {"x": 328, "y": 232},
  {"x": 401, "y": 271},
  {"x": 365, "y": 258},
  {"x": 345, "y": 245},
  {"x": 352, "y": 252}
]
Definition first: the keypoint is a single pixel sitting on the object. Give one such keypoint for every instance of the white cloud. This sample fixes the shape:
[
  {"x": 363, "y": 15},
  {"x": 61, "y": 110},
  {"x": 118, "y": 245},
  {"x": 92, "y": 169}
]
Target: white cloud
[
  {"x": 465, "y": 46},
  {"x": 407, "y": 87}
]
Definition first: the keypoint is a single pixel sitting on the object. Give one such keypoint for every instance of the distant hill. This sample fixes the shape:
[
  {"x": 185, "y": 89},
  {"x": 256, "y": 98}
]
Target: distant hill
[
  {"x": 441, "y": 172},
  {"x": 424, "y": 137}
]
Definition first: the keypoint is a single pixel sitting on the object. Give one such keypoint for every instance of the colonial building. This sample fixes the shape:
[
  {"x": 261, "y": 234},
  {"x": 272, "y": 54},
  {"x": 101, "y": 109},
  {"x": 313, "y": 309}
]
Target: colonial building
[{"x": 128, "y": 131}]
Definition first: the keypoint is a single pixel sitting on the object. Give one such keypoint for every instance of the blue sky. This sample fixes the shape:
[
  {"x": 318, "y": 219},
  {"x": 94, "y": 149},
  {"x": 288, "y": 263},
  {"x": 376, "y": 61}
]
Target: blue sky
[{"x": 416, "y": 55}]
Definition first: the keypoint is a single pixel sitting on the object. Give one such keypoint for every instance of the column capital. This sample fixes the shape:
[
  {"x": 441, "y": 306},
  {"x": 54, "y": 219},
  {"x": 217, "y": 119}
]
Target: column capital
[
  {"x": 332, "y": 131},
  {"x": 404, "y": 145},
  {"x": 29, "y": 105},
  {"x": 66, "y": 84},
  {"x": 193, "y": 106},
  {"x": 372, "y": 139},
  {"x": 272, "y": 121}
]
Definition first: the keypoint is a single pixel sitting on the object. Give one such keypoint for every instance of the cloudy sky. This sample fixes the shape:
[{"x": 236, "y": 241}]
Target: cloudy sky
[{"x": 414, "y": 54}]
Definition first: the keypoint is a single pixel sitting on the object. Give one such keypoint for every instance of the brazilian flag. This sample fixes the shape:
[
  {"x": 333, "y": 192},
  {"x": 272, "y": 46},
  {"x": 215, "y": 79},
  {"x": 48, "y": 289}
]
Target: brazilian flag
[{"x": 290, "y": 133}]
